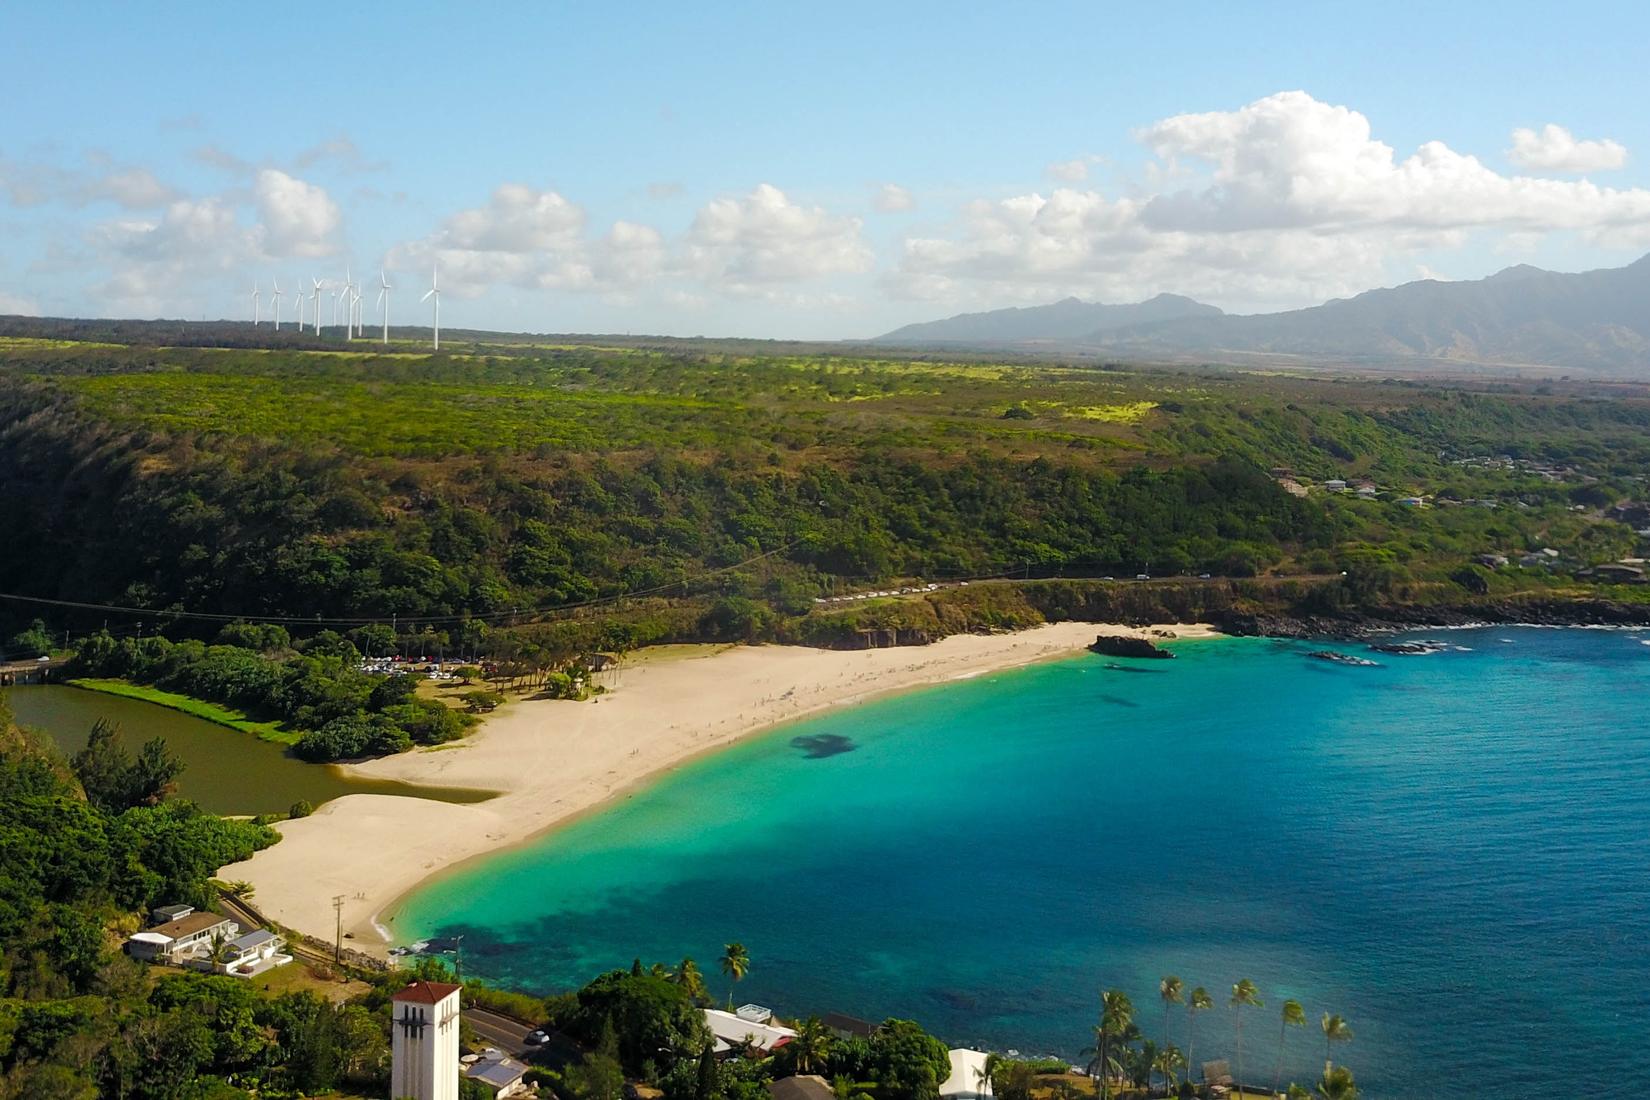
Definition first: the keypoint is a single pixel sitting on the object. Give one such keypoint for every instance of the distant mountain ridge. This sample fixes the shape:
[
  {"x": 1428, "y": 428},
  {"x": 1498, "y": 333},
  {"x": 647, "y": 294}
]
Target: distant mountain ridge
[
  {"x": 1066, "y": 320},
  {"x": 1597, "y": 321}
]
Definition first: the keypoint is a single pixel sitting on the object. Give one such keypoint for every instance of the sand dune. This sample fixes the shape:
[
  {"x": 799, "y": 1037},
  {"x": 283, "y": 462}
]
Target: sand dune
[{"x": 553, "y": 759}]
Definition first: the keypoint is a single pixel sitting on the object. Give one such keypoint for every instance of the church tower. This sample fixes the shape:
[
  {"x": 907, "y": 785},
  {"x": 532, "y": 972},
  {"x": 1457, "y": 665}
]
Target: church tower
[{"x": 424, "y": 1042}]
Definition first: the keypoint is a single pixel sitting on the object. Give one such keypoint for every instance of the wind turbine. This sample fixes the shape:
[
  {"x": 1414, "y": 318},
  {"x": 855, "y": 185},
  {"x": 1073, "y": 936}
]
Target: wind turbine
[
  {"x": 349, "y": 305},
  {"x": 275, "y": 304},
  {"x": 255, "y": 305},
  {"x": 355, "y": 296},
  {"x": 316, "y": 296},
  {"x": 384, "y": 301},
  {"x": 298, "y": 305},
  {"x": 435, "y": 292}
]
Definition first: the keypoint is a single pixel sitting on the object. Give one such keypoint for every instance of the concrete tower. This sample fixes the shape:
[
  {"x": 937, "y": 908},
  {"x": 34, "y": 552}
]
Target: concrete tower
[{"x": 424, "y": 1042}]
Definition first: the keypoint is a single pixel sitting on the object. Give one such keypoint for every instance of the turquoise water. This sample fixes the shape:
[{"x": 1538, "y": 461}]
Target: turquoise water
[{"x": 1452, "y": 851}]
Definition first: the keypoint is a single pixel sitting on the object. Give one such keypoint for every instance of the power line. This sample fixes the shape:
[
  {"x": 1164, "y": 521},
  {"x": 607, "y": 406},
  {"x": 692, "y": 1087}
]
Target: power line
[{"x": 485, "y": 617}]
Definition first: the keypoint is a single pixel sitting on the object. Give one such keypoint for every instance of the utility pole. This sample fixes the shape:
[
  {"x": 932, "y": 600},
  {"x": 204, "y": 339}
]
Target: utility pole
[{"x": 338, "y": 932}]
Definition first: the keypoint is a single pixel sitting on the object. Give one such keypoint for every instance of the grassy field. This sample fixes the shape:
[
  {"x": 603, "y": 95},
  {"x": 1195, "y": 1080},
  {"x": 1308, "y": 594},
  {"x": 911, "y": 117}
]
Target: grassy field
[{"x": 199, "y": 708}]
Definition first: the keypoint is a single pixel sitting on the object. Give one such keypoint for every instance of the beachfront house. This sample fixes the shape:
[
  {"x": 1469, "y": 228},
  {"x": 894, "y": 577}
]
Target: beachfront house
[
  {"x": 177, "y": 941},
  {"x": 251, "y": 954},
  {"x": 848, "y": 1027},
  {"x": 499, "y": 1074},
  {"x": 167, "y": 913},
  {"x": 735, "y": 1034}
]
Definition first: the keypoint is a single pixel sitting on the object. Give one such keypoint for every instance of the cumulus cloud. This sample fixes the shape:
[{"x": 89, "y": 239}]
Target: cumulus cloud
[
  {"x": 764, "y": 238},
  {"x": 1280, "y": 202},
  {"x": 299, "y": 218},
  {"x": 1555, "y": 149},
  {"x": 891, "y": 198},
  {"x": 1069, "y": 171},
  {"x": 522, "y": 237}
]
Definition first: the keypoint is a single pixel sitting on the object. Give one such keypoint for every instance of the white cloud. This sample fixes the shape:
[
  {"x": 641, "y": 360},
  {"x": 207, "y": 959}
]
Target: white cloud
[
  {"x": 1281, "y": 202},
  {"x": 1555, "y": 149},
  {"x": 891, "y": 198},
  {"x": 516, "y": 219},
  {"x": 1069, "y": 171},
  {"x": 133, "y": 188},
  {"x": 299, "y": 218},
  {"x": 746, "y": 244}
]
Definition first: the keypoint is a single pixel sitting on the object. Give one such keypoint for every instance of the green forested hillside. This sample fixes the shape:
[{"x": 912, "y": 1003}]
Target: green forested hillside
[{"x": 506, "y": 477}]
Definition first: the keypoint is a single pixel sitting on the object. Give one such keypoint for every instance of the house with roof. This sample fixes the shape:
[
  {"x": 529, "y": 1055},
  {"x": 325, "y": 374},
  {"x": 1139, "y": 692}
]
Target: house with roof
[
  {"x": 847, "y": 1027},
  {"x": 252, "y": 953},
  {"x": 177, "y": 941},
  {"x": 803, "y": 1086},
  {"x": 734, "y": 1033},
  {"x": 499, "y": 1074}
]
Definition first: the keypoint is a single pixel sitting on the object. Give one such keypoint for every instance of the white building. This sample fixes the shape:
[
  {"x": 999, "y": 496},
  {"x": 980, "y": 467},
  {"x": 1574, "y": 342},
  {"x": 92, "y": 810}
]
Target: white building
[
  {"x": 189, "y": 936},
  {"x": 253, "y": 953},
  {"x": 967, "y": 1080},
  {"x": 736, "y": 1032},
  {"x": 424, "y": 1042}
]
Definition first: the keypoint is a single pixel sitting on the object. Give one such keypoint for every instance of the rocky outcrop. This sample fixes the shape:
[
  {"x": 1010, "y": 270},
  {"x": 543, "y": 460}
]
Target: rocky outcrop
[{"x": 1117, "y": 645}]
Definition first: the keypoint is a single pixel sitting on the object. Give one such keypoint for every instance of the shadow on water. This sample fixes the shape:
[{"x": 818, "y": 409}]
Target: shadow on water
[
  {"x": 1112, "y": 666},
  {"x": 817, "y": 746},
  {"x": 1118, "y": 701}
]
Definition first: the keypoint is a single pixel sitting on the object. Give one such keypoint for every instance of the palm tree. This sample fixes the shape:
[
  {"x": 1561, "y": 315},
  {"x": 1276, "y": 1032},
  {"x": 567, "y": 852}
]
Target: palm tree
[
  {"x": 1169, "y": 1061},
  {"x": 1243, "y": 993},
  {"x": 811, "y": 1047},
  {"x": 1298, "y": 1092},
  {"x": 1337, "y": 1083},
  {"x": 1335, "y": 1030},
  {"x": 692, "y": 982},
  {"x": 1198, "y": 1000},
  {"x": 984, "y": 1072},
  {"x": 1116, "y": 1014},
  {"x": 1293, "y": 1016},
  {"x": 218, "y": 952},
  {"x": 736, "y": 963},
  {"x": 1169, "y": 989}
]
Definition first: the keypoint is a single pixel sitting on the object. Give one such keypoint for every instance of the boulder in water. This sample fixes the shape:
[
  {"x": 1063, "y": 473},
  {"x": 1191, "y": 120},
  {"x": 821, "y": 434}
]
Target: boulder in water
[{"x": 1122, "y": 645}]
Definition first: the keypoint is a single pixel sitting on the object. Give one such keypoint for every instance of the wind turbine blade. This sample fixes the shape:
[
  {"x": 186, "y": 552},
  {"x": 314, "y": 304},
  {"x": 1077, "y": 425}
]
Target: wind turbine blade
[{"x": 427, "y": 294}]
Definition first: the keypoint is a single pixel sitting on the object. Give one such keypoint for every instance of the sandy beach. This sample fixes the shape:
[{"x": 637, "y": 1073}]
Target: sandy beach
[{"x": 552, "y": 760}]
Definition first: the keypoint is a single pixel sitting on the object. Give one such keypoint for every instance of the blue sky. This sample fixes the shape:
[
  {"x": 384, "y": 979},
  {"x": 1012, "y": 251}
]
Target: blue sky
[{"x": 821, "y": 171}]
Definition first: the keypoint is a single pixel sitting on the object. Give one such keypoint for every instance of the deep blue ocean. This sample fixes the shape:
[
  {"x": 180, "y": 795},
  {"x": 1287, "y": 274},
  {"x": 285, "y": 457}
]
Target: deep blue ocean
[{"x": 1452, "y": 851}]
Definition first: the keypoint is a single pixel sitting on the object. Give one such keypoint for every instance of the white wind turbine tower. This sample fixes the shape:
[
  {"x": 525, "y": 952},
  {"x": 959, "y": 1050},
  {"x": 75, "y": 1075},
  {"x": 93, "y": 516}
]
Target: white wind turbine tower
[
  {"x": 384, "y": 303},
  {"x": 298, "y": 306},
  {"x": 349, "y": 304},
  {"x": 315, "y": 296},
  {"x": 435, "y": 292},
  {"x": 275, "y": 304},
  {"x": 255, "y": 317}
]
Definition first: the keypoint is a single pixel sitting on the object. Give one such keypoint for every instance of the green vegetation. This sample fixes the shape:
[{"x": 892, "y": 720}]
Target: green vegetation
[
  {"x": 516, "y": 477},
  {"x": 323, "y": 704},
  {"x": 200, "y": 708}
]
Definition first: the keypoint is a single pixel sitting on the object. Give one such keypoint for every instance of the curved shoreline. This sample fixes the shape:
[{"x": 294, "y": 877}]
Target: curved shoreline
[{"x": 553, "y": 761}]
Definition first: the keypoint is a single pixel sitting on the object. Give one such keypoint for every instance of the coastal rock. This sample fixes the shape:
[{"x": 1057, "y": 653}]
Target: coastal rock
[{"x": 1113, "y": 645}]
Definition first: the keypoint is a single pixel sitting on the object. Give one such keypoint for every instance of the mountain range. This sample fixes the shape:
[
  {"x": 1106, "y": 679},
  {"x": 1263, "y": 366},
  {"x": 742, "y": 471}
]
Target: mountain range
[{"x": 1594, "y": 321}]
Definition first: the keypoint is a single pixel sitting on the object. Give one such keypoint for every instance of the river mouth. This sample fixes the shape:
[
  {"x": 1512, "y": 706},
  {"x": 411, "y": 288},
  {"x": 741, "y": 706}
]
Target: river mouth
[{"x": 225, "y": 771}]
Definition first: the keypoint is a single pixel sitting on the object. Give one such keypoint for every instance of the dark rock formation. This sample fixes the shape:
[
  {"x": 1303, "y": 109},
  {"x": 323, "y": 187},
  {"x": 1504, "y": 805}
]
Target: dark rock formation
[{"x": 1109, "y": 645}]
